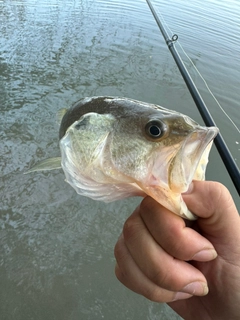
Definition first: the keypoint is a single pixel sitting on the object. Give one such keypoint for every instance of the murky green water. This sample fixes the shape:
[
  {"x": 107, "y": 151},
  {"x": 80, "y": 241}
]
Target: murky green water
[{"x": 56, "y": 253}]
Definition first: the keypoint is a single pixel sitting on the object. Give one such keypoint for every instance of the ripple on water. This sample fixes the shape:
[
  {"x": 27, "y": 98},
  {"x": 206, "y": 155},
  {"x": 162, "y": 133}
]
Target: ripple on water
[{"x": 56, "y": 254}]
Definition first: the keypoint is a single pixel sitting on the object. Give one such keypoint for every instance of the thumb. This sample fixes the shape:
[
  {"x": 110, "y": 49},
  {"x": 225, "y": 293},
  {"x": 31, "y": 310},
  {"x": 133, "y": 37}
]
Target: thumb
[{"x": 218, "y": 215}]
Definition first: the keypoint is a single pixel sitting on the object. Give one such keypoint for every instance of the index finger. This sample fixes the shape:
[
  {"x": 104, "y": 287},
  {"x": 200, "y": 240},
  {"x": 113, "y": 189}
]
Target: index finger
[{"x": 172, "y": 234}]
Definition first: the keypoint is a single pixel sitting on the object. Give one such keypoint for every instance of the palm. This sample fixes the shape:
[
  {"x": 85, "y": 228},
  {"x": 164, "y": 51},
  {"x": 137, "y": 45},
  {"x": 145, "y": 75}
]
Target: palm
[
  {"x": 149, "y": 237},
  {"x": 224, "y": 285}
]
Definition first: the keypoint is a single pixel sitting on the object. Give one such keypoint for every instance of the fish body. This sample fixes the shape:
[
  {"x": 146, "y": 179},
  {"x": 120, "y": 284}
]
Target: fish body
[{"x": 113, "y": 148}]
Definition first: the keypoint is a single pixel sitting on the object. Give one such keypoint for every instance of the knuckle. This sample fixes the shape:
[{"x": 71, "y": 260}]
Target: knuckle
[
  {"x": 147, "y": 205},
  {"x": 123, "y": 275},
  {"x": 131, "y": 230},
  {"x": 160, "y": 278},
  {"x": 120, "y": 252},
  {"x": 119, "y": 274},
  {"x": 152, "y": 294},
  {"x": 167, "y": 278},
  {"x": 181, "y": 249},
  {"x": 158, "y": 294},
  {"x": 117, "y": 251}
]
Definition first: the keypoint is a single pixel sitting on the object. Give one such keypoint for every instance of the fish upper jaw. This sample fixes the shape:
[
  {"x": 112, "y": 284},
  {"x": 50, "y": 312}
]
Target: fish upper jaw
[{"x": 191, "y": 160}]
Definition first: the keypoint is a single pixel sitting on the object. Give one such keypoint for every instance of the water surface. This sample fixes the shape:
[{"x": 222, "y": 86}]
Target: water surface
[{"x": 56, "y": 254}]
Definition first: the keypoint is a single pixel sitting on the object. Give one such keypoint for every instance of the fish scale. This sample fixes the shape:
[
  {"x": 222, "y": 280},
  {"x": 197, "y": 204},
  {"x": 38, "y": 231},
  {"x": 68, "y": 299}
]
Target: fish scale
[{"x": 113, "y": 148}]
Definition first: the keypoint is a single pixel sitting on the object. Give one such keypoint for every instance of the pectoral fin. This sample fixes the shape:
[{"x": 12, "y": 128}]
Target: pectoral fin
[{"x": 47, "y": 164}]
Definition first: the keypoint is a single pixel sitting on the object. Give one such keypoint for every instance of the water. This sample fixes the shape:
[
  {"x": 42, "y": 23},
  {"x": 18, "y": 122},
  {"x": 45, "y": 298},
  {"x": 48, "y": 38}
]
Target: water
[{"x": 56, "y": 254}]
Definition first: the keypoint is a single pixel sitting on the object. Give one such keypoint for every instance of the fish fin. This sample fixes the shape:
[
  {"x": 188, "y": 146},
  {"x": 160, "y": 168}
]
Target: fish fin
[
  {"x": 60, "y": 115},
  {"x": 47, "y": 164}
]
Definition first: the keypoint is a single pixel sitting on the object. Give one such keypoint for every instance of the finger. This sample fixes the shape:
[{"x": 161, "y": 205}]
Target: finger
[
  {"x": 155, "y": 263},
  {"x": 129, "y": 274},
  {"x": 171, "y": 233},
  {"x": 212, "y": 202}
]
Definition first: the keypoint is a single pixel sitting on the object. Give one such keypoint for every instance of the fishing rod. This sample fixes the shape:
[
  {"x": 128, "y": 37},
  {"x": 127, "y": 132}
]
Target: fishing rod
[{"x": 207, "y": 118}]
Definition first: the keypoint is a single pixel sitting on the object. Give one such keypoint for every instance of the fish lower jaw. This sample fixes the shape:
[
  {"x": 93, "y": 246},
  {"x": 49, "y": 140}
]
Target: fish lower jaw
[
  {"x": 185, "y": 213},
  {"x": 172, "y": 201},
  {"x": 191, "y": 161}
]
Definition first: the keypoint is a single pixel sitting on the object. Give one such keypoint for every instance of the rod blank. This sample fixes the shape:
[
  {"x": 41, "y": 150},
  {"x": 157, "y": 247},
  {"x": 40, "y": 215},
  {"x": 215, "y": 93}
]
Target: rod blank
[{"x": 207, "y": 118}]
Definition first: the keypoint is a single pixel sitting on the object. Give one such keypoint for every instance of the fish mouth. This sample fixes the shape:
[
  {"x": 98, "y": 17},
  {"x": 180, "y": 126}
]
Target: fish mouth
[{"x": 191, "y": 160}]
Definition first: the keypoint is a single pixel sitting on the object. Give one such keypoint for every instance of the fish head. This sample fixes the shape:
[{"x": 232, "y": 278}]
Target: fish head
[
  {"x": 181, "y": 153},
  {"x": 179, "y": 157},
  {"x": 122, "y": 147}
]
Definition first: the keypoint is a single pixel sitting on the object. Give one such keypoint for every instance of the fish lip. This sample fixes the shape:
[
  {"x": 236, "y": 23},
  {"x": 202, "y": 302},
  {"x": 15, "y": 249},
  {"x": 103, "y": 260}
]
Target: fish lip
[{"x": 194, "y": 150}]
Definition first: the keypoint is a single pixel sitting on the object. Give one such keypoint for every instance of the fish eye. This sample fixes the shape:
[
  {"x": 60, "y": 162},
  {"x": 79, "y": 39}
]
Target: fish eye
[{"x": 155, "y": 129}]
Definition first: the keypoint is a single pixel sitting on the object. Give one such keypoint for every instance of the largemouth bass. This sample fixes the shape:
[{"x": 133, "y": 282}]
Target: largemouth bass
[{"x": 113, "y": 148}]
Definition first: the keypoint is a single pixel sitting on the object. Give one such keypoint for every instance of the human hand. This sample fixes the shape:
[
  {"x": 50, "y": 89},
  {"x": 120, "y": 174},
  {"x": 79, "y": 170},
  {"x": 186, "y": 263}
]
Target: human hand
[{"x": 161, "y": 258}]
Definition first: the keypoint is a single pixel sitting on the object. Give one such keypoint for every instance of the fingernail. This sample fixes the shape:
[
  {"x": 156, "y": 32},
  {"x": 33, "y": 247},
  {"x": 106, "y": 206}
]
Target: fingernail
[
  {"x": 190, "y": 189},
  {"x": 205, "y": 255},
  {"x": 181, "y": 296},
  {"x": 196, "y": 288}
]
